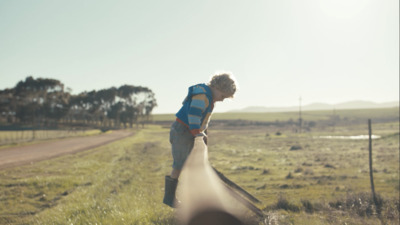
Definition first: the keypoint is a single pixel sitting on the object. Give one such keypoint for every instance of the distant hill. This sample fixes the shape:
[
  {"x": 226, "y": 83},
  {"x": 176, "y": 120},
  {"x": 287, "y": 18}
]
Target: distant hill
[{"x": 321, "y": 106}]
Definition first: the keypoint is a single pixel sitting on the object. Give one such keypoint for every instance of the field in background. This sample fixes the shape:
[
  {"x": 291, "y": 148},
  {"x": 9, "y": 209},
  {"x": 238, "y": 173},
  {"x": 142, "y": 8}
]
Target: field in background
[
  {"x": 300, "y": 178},
  {"x": 351, "y": 114},
  {"x": 316, "y": 180}
]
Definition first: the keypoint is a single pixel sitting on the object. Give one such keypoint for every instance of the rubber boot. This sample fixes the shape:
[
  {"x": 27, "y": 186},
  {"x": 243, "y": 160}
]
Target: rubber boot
[{"x": 170, "y": 189}]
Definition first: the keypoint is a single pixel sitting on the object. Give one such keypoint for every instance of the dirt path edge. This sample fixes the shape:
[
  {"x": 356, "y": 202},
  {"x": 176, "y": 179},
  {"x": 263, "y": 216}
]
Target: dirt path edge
[{"x": 23, "y": 155}]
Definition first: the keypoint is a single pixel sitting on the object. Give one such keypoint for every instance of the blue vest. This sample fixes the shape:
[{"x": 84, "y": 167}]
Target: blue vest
[{"x": 183, "y": 113}]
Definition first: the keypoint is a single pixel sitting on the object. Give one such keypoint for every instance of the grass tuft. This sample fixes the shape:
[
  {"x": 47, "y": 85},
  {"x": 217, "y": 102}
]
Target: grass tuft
[{"x": 284, "y": 204}]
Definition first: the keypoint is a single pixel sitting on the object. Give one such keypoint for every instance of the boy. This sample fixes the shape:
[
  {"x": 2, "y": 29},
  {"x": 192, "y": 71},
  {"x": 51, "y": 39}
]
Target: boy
[{"x": 192, "y": 121}]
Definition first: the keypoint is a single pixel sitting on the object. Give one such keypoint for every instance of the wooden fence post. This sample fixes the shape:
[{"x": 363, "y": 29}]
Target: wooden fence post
[{"x": 371, "y": 171}]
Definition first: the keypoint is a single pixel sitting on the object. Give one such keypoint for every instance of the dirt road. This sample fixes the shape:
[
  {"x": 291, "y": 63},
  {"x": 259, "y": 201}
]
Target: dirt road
[{"x": 17, "y": 156}]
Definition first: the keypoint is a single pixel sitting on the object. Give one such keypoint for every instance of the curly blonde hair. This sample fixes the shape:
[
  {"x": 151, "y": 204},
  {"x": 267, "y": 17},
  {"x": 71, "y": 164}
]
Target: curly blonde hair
[{"x": 225, "y": 82}]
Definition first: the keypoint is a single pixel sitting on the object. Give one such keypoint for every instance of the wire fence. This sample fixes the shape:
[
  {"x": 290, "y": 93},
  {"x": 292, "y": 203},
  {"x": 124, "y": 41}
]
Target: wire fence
[{"x": 23, "y": 136}]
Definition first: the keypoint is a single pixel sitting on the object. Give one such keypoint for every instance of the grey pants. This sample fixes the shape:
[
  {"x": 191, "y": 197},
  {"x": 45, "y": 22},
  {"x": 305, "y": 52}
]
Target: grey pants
[{"x": 182, "y": 142}]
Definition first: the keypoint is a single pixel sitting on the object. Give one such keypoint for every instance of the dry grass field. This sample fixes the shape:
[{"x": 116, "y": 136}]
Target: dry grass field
[{"x": 300, "y": 178}]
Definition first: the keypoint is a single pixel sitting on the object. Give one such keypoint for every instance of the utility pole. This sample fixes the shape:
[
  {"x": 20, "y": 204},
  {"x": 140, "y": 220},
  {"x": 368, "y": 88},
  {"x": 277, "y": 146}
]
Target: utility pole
[
  {"x": 300, "y": 119},
  {"x": 334, "y": 119}
]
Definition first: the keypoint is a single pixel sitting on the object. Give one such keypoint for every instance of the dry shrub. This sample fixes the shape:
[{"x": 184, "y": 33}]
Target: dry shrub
[
  {"x": 289, "y": 176},
  {"x": 391, "y": 209},
  {"x": 308, "y": 206},
  {"x": 284, "y": 204},
  {"x": 361, "y": 203}
]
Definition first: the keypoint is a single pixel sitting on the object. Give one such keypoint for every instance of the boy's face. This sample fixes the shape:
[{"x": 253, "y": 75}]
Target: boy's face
[{"x": 218, "y": 95}]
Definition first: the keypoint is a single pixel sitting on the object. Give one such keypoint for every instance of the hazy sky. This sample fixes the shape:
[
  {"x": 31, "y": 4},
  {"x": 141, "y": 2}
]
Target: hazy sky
[{"x": 324, "y": 51}]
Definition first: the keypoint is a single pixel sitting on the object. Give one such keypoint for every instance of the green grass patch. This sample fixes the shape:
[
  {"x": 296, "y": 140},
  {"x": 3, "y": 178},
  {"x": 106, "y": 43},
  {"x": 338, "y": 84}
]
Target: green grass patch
[{"x": 120, "y": 183}]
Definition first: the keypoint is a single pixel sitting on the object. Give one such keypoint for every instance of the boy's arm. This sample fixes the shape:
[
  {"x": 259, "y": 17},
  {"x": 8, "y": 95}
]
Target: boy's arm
[{"x": 197, "y": 107}]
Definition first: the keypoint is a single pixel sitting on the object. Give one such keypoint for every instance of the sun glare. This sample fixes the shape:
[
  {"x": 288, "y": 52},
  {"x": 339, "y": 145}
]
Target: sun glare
[{"x": 343, "y": 9}]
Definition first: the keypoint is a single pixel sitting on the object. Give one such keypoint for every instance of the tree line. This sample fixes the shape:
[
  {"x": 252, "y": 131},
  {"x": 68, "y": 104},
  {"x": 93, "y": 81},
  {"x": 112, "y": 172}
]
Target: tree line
[{"x": 43, "y": 102}]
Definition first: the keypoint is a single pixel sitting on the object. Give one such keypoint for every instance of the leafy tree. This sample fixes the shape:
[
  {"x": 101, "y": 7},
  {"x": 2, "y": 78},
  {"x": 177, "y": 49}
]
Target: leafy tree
[
  {"x": 138, "y": 101},
  {"x": 7, "y": 105},
  {"x": 104, "y": 100},
  {"x": 78, "y": 107},
  {"x": 43, "y": 100},
  {"x": 115, "y": 112},
  {"x": 40, "y": 99}
]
